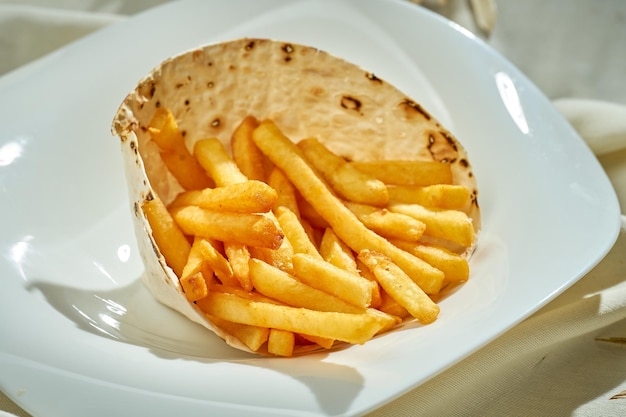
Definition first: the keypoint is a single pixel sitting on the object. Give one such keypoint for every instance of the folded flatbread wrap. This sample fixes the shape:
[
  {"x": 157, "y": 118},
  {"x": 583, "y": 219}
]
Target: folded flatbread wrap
[{"x": 305, "y": 91}]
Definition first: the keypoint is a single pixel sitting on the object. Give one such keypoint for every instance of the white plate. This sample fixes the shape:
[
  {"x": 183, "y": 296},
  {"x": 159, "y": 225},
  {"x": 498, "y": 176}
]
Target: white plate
[{"x": 81, "y": 336}]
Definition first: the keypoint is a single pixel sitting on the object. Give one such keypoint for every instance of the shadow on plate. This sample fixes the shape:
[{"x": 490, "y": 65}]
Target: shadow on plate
[{"x": 131, "y": 315}]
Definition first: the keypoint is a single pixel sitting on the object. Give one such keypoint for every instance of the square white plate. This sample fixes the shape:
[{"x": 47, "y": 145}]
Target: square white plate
[{"x": 79, "y": 335}]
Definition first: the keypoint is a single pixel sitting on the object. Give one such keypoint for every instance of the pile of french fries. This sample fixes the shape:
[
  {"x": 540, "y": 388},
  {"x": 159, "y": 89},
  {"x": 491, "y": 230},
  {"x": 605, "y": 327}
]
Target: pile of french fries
[{"x": 288, "y": 246}]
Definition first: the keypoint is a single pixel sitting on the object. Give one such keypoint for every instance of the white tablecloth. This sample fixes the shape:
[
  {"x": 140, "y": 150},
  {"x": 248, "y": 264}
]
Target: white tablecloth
[{"x": 553, "y": 363}]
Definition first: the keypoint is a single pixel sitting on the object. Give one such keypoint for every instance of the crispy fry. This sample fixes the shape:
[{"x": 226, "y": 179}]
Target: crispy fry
[
  {"x": 445, "y": 196},
  {"x": 243, "y": 228},
  {"x": 286, "y": 155},
  {"x": 294, "y": 232},
  {"x": 195, "y": 262},
  {"x": 390, "y": 306},
  {"x": 274, "y": 283},
  {"x": 348, "y": 181},
  {"x": 400, "y": 286},
  {"x": 367, "y": 274},
  {"x": 194, "y": 286},
  {"x": 308, "y": 212},
  {"x": 186, "y": 170},
  {"x": 216, "y": 261},
  {"x": 388, "y": 224},
  {"x": 317, "y": 273},
  {"x": 243, "y": 197},
  {"x": 168, "y": 237},
  {"x": 321, "y": 341},
  {"x": 245, "y": 153},
  {"x": 451, "y": 225},
  {"x": 280, "y": 342},
  {"x": 286, "y": 193},
  {"x": 196, "y": 274},
  {"x": 388, "y": 321},
  {"x": 346, "y": 327},
  {"x": 212, "y": 156},
  {"x": 163, "y": 130},
  {"x": 252, "y": 336},
  {"x": 454, "y": 266},
  {"x": 407, "y": 172},
  {"x": 336, "y": 252},
  {"x": 239, "y": 256}
]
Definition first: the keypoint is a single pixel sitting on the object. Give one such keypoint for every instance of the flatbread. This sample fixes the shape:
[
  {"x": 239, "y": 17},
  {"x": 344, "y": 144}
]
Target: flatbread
[{"x": 305, "y": 91}]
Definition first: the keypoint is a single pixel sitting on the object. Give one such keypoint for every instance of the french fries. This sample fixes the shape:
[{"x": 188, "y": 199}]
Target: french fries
[
  {"x": 351, "y": 183},
  {"x": 294, "y": 247},
  {"x": 453, "y": 225},
  {"x": 445, "y": 196},
  {"x": 284, "y": 154},
  {"x": 243, "y": 197},
  {"x": 387, "y": 223},
  {"x": 180, "y": 163},
  {"x": 413, "y": 173},
  {"x": 346, "y": 327},
  {"x": 167, "y": 234},
  {"x": 400, "y": 286},
  {"x": 243, "y": 228}
]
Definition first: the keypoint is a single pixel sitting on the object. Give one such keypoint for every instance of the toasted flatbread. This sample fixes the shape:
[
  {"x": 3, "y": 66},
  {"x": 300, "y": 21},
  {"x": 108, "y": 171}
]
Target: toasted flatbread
[{"x": 305, "y": 91}]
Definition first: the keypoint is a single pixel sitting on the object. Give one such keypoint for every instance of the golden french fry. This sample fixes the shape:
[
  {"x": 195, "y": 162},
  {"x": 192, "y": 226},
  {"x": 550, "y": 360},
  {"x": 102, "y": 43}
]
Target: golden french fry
[
  {"x": 183, "y": 166},
  {"x": 280, "y": 258},
  {"x": 164, "y": 131},
  {"x": 317, "y": 273},
  {"x": 286, "y": 193},
  {"x": 336, "y": 252},
  {"x": 294, "y": 232},
  {"x": 196, "y": 274},
  {"x": 400, "y": 286},
  {"x": 195, "y": 262},
  {"x": 168, "y": 237},
  {"x": 367, "y": 274},
  {"x": 279, "y": 285},
  {"x": 407, "y": 172},
  {"x": 287, "y": 156},
  {"x": 390, "y": 306},
  {"x": 194, "y": 286},
  {"x": 451, "y": 225},
  {"x": 345, "y": 327},
  {"x": 216, "y": 261},
  {"x": 244, "y": 197},
  {"x": 280, "y": 342},
  {"x": 321, "y": 341},
  {"x": 445, "y": 196},
  {"x": 308, "y": 212},
  {"x": 348, "y": 181},
  {"x": 245, "y": 153},
  {"x": 243, "y": 228},
  {"x": 389, "y": 321},
  {"x": 454, "y": 266},
  {"x": 239, "y": 256},
  {"x": 252, "y": 336},
  {"x": 213, "y": 157},
  {"x": 388, "y": 224}
]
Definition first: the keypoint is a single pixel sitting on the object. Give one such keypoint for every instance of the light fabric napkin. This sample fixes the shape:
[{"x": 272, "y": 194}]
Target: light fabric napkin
[
  {"x": 556, "y": 362},
  {"x": 601, "y": 123}
]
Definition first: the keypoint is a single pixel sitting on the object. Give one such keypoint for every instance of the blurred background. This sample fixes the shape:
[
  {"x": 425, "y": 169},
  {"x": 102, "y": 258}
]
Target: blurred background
[{"x": 568, "y": 48}]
